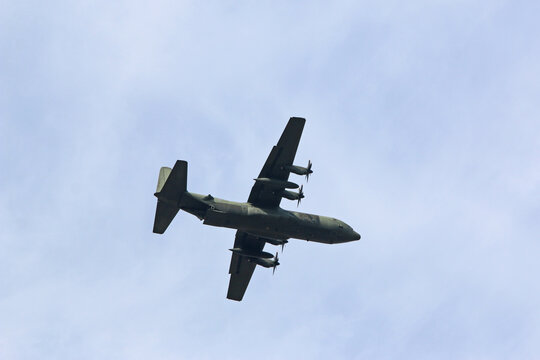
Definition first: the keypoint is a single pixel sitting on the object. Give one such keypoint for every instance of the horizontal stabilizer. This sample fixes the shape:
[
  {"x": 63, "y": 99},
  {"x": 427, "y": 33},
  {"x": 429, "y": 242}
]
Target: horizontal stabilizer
[
  {"x": 165, "y": 213},
  {"x": 171, "y": 186}
]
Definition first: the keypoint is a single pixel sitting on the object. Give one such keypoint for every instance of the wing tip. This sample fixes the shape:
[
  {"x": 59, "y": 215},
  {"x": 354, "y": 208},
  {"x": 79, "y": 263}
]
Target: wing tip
[
  {"x": 297, "y": 119},
  {"x": 232, "y": 297}
]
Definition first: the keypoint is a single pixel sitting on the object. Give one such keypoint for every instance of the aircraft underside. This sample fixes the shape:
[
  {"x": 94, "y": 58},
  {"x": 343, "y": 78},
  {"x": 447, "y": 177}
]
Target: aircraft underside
[{"x": 258, "y": 221}]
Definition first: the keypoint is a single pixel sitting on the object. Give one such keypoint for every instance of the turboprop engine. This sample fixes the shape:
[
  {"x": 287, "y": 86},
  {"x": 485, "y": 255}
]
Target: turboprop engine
[
  {"x": 252, "y": 254},
  {"x": 293, "y": 195},
  {"x": 267, "y": 263},
  {"x": 300, "y": 170},
  {"x": 273, "y": 241},
  {"x": 262, "y": 258},
  {"x": 277, "y": 183}
]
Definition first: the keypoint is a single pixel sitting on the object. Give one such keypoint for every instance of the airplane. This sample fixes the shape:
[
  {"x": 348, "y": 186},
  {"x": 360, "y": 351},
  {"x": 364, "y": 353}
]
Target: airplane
[{"x": 258, "y": 221}]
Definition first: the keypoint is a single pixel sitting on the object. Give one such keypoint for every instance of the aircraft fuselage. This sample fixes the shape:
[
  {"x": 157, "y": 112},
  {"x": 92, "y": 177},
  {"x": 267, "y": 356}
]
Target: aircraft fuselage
[{"x": 274, "y": 223}]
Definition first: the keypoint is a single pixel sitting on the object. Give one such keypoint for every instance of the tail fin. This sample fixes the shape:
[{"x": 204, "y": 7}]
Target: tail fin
[{"x": 172, "y": 184}]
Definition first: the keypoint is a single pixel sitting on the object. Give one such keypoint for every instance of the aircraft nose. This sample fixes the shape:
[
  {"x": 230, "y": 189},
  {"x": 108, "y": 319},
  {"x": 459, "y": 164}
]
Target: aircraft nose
[{"x": 356, "y": 236}]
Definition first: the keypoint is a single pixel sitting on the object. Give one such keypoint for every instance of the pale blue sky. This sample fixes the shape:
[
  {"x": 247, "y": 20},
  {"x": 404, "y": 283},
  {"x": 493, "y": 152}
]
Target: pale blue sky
[{"x": 423, "y": 127}]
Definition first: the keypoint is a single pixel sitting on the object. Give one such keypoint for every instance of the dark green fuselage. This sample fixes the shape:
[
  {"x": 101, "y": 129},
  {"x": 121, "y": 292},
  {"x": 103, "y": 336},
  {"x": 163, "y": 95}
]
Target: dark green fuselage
[{"x": 274, "y": 223}]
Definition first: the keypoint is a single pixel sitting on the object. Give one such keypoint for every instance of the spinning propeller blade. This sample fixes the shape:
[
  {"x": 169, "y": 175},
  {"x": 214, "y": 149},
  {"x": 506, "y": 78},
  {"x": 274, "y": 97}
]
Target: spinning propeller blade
[
  {"x": 308, "y": 170},
  {"x": 300, "y": 195},
  {"x": 276, "y": 263}
]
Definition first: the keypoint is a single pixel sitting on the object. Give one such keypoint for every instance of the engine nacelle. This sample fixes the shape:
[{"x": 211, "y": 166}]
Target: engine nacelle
[
  {"x": 270, "y": 240},
  {"x": 252, "y": 254},
  {"x": 300, "y": 170},
  {"x": 292, "y": 195},
  {"x": 277, "y": 183},
  {"x": 267, "y": 263}
]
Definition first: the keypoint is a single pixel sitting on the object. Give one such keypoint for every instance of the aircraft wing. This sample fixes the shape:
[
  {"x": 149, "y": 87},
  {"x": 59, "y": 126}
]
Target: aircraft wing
[
  {"x": 241, "y": 269},
  {"x": 281, "y": 155}
]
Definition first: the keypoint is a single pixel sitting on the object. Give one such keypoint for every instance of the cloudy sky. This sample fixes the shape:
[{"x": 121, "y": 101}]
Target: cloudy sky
[{"x": 423, "y": 126}]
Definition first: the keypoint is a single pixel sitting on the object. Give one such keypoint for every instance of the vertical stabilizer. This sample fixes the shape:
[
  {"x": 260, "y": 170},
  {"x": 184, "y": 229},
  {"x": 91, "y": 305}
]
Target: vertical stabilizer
[
  {"x": 164, "y": 173},
  {"x": 172, "y": 184}
]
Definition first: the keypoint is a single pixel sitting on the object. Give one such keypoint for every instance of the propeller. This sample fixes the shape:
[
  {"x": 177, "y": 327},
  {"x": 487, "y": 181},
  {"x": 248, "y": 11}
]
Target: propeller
[
  {"x": 276, "y": 263},
  {"x": 300, "y": 195},
  {"x": 309, "y": 171}
]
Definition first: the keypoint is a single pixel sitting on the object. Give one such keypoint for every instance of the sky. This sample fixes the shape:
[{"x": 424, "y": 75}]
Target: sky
[{"x": 423, "y": 128}]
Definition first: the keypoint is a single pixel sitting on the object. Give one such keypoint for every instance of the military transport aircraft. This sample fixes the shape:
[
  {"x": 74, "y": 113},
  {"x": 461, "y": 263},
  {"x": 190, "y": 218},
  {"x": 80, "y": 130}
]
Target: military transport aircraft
[{"x": 258, "y": 221}]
